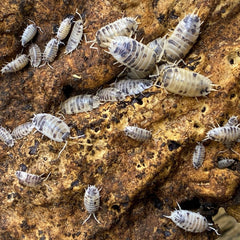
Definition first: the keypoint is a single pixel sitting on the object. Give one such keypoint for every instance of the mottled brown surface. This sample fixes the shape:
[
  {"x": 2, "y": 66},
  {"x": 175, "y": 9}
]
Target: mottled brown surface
[{"x": 140, "y": 181}]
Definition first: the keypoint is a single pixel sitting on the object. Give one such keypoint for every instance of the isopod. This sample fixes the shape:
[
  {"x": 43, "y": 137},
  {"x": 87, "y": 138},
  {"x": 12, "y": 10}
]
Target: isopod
[
  {"x": 65, "y": 27},
  {"x": 157, "y": 45},
  {"x": 17, "y": 64},
  {"x": 190, "y": 221},
  {"x": 126, "y": 26},
  {"x": 6, "y": 137},
  {"x": 30, "y": 180},
  {"x": 50, "y": 51},
  {"x": 75, "y": 36},
  {"x": 80, "y": 103},
  {"x": 35, "y": 55},
  {"x": 29, "y": 33},
  {"x": 185, "y": 82},
  {"x": 110, "y": 94},
  {"x": 92, "y": 201},
  {"x": 137, "y": 133},
  {"x": 224, "y": 163},
  {"x": 132, "y": 86},
  {"x": 22, "y": 130},
  {"x": 198, "y": 156},
  {"x": 132, "y": 53},
  {"x": 183, "y": 37},
  {"x": 233, "y": 121}
]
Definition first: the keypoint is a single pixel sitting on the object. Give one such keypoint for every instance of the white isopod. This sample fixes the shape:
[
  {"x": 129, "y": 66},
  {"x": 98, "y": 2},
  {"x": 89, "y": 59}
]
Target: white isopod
[
  {"x": 126, "y": 26},
  {"x": 22, "y": 130},
  {"x": 35, "y": 55},
  {"x": 224, "y": 163},
  {"x": 30, "y": 180},
  {"x": 6, "y": 137},
  {"x": 132, "y": 86},
  {"x": 198, "y": 156},
  {"x": 157, "y": 45},
  {"x": 92, "y": 201},
  {"x": 17, "y": 64},
  {"x": 75, "y": 36},
  {"x": 137, "y": 133},
  {"x": 233, "y": 121},
  {"x": 80, "y": 103},
  {"x": 29, "y": 33},
  {"x": 185, "y": 82},
  {"x": 183, "y": 37},
  {"x": 64, "y": 27},
  {"x": 132, "y": 53},
  {"x": 190, "y": 221},
  {"x": 110, "y": 94}
]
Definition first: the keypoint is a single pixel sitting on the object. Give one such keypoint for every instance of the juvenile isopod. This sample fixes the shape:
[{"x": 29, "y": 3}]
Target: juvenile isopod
[
  {"x": 132, "y": 53},
  {"x": 157, "y": 45},
  {"x": 30, "y": 180},
  {"x": 65, "y": 27},
  {"x": 29, "y": 33},
  {"x": 6, "y": 137},
  {"x": 137, "y": 133},
  {"x": 190, "y": 221},
  {"x": 126, "y": 26},
  {"x": 110, "y": 94},
  {"x": 198, "y": 156},
  {"x": 183, "y": 37},
  {"x": 80, "y": 103},
  {"x": 22, "y": 130},
  {"x": 75, "y": 36},
  {"x": 17, "y": 64},
  {"x": 224, "y": 163},
  {"x": 132, "y": 86},
  {"x": 92, "y": 201},
  {"x": 233, "y": 121},
  {"x": 185, "y": 82},
  {"x": 35, "y": 55}
]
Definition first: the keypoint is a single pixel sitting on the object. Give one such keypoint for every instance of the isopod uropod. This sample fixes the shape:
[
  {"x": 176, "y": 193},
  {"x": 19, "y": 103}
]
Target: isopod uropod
[
  {"x": 132, "y": 53},
  {"x": 224, "y": 163},
  {"x": 29, "y": 33},
  {"x": 35, "y": 55},
  {"x": 110, "y": 94},
  {"x": 233, "y": 121},
  {"x": 198, "y": 156},
  {"x": 75, "y": 36},
  {"x": 126, "y": 26},
  {"x": 6, "y": 137},
  {"x": 22, "y": 130},
  {"x": 190, "y": 221},
  {"x": 64, "y": 27},
  {"x": 185, "y": 82},
  {"x": 80, "y": 103},
  {"x": 183, "y": 37},
  {"x": 137, "y": 133},
  {"x": 92, "y": 201},
  {"x": 17, "y": 64}
]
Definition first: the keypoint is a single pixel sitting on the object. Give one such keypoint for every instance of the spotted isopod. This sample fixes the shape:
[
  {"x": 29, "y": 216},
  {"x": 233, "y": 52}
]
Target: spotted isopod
[
  {"x": 92, "y": 201},
  {"x": 224, "y": 163},
  {"x": 183, "y": 37},
  {"x": 233, "y": 121},
  {"x": 80, "y": 103},
  {"x": 22, "y": 130},
  {"x": 132, "y": 86},
  {"x": 17, "y": 64},
  {"x": 75, "y": 36},
  {"x": 50, "y": 51},
  {"x": 35, "y": 55},
  {"x": 185, "y": 82},
  {"x": 30, "y": 180},
  {"x": 190, "y": 221},
  {"x": 6, "y": 137},
  {"x": 198, "y": 156},
  {"x": 126, "y": 26},
  {"x": 29, "y": 33},
  {"x": 65, "y": 27},
  {"x": 157, "y": 45},
  {"x": 110, "y": 94},
  {"x": 137, "y": 133}
]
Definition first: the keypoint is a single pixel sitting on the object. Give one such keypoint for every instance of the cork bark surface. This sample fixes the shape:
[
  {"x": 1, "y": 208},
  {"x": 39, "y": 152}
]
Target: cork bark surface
[{"x": 140, "y": 182}]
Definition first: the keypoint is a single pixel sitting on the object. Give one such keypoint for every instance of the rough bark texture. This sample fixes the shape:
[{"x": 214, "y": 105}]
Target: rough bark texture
[{"x": 140, "y": 182}]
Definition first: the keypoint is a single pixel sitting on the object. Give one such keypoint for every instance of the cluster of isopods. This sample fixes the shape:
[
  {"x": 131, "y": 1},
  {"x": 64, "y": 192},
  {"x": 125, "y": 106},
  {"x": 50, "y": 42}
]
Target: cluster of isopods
[{"x": 140, "y": 61}]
